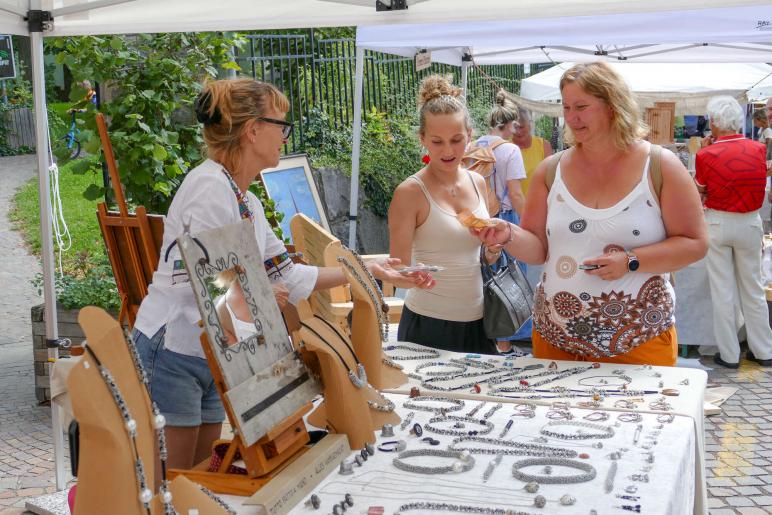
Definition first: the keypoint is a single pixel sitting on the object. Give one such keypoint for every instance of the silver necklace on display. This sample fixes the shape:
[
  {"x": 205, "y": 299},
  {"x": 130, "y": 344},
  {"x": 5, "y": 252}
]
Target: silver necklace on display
[
  {"x": 431, "y": 364},
  {"x": 130, "y": 425},
  {"x": 457, "y": 508},
  {"x": 510, "y": 448},
  {"x": 358, "y": 379},
  {"x": 428, "y": 353},
  {"x": 372, "y": 289}
]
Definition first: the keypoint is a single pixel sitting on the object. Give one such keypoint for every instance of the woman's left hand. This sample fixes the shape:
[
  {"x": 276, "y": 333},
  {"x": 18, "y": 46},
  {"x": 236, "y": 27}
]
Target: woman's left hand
[
  {"x": 612, "y": 266},
  {"x": 385, "y": 270}
]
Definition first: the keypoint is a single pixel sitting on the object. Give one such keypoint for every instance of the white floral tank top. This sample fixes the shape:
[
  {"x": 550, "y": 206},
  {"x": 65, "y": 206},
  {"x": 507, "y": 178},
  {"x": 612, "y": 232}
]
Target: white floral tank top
[{"x": 581, "y": 313}]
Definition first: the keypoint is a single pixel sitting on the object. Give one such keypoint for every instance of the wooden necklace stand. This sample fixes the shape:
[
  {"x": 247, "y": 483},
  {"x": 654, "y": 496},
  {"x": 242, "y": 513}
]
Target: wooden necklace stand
[
  {"x": 346, "y": 409},
  {"x": 366, "y": 326},
  {"x": 106, "y": 474}
]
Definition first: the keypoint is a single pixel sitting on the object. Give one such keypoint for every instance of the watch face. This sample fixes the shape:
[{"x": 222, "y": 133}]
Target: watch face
[{"x": 633, "y": 264}]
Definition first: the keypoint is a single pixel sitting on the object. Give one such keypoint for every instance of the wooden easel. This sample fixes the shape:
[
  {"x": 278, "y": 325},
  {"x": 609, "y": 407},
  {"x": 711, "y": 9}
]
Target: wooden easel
[
  {"x": 365, "y": 330},
  {"x": 278, "y": 447},
  {"x": 106, "y": 478},
  {"x": 132, "y": 240}
]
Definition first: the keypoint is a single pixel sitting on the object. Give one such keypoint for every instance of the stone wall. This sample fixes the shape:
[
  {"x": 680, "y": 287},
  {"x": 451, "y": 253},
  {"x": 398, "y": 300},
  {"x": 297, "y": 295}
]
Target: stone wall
[{"x": 334, "y": 190}]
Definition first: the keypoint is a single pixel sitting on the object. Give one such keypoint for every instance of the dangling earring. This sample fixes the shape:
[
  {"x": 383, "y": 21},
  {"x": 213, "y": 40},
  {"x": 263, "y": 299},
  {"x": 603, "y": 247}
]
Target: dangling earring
[{"x": 425, "y": 157}]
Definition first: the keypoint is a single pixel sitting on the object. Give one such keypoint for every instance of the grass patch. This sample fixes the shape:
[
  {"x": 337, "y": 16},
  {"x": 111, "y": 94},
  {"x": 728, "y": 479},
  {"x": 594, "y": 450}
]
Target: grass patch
[{"x": 79, "y": 213}]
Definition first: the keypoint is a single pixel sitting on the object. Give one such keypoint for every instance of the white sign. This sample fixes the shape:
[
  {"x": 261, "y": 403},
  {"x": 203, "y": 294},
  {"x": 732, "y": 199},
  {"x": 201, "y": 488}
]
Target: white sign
[{"x": 423, "y": 60}]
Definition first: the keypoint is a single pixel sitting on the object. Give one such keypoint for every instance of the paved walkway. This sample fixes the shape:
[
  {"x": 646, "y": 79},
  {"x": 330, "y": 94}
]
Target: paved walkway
[
  {"x": 738, "y": 441},
  {"x": 26, "y": 444}
]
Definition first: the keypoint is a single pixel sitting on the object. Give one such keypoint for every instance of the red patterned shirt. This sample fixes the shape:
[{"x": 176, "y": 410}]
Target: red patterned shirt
[{"x": 734, "y": 173}]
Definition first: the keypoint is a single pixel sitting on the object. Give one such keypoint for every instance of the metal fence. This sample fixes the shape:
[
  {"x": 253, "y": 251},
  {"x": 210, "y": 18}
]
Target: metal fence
[{"x": 318, "y": 74}]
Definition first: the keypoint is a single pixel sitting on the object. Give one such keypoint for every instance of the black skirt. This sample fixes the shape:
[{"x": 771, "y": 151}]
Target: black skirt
[{"x": 444, "y": 334}]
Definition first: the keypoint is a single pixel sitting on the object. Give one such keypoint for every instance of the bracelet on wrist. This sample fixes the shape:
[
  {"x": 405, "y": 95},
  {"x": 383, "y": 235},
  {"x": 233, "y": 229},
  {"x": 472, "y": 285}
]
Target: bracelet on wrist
[{"x": 511, "y": 234}]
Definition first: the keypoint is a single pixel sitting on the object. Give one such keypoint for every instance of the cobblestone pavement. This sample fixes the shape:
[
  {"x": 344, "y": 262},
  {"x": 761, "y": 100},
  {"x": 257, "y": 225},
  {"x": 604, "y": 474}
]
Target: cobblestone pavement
[
  {"x": 738, "y": 441},
  {"x": 26, "y": 444}
]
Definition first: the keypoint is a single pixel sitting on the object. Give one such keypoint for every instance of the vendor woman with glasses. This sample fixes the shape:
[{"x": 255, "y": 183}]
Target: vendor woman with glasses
[{"x": 244, "y": 130}]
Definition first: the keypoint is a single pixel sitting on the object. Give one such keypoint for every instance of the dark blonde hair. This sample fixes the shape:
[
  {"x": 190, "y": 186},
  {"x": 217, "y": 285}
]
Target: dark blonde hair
[
  {"x": 760, "y": 115},
  {"x": 504, "y": 112},
  {"x": 225, "y": 106},
  {"x": 438, "y": 96},
  {"x": 601, "y": 81}
]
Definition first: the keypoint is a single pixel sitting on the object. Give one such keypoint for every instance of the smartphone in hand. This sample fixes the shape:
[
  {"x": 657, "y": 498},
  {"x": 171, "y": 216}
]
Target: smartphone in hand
[
  {"x": 420, "y": 268},
  {"x": 589, "y": 267}
]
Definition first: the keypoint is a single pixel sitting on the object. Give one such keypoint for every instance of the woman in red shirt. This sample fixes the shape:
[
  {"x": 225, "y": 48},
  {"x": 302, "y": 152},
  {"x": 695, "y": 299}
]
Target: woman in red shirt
[{"x": 731, "y": 176}]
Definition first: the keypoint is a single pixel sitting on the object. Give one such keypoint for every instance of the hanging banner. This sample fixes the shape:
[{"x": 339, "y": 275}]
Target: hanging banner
[{"x": 7, "y": 67}]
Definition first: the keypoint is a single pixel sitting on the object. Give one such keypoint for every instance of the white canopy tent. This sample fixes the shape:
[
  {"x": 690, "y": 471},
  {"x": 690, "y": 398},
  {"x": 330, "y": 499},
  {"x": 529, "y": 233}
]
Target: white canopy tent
[
  {"x": 583, "y": 22},
  {"x": 689, "y": 85}
]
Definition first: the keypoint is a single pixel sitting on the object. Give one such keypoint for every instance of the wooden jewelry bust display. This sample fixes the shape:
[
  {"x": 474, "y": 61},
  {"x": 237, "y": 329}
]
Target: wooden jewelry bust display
[
  {"x": 351, "y": 406},
  {"x": 369, "y": 328},
  {"x": 116, "y": 472}
]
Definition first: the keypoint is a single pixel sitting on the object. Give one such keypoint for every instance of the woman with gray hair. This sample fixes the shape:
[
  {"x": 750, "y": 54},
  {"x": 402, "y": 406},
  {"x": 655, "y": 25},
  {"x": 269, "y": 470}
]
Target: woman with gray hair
[{"x": 731, "y": 176}]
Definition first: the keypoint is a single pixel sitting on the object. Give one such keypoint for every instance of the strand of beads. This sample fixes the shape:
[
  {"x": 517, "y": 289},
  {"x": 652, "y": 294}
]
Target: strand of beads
[
  {"x": 376, "y": 296},
  {"x": 550, "y": 479},
  {"x": 465, "y": 461},
  {"x": 602, "y": 431},
  {"x": 487, "y": 426},
  {"x": 457, "y": 508},
  {"x": 421, "y": 353},
  {"x": 510, "y": 448},
  {"x": 455, "y": 404}
]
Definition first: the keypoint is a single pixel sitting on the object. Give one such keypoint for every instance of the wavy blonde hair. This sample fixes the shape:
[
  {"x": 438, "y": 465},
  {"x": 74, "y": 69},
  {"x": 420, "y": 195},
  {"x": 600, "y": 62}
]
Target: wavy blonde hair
[
  {"x": 231, "y": 103},
  {"x": 438, "y": 96},
  {"x": 601, "y": 81}
]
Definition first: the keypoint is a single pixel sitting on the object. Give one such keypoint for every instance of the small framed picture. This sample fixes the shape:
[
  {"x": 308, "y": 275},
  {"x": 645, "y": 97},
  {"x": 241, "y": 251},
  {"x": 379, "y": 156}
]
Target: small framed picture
[{"x": 291, "y": 186}]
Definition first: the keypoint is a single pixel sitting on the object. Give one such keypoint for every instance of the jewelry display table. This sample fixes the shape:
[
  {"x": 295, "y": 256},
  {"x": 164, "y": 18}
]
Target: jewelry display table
[
  {"x": 651, "y": 478},
  {"x": 643, "y": 383}
]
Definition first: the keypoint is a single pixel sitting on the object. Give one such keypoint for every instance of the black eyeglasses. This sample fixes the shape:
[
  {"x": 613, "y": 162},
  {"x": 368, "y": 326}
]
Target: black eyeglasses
[{"x": 286, "y": 127}]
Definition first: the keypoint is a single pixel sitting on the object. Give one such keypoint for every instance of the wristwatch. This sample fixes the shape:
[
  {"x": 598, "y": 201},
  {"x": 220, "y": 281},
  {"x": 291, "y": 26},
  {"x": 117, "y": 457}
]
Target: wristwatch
[{"x": 632, "y": 261}]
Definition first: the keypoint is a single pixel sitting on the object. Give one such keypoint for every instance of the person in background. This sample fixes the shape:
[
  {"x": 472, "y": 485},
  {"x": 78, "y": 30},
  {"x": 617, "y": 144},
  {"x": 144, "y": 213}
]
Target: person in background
[
  {"x": 244, "y": 129},
  {"x": 533, "y": 148},
  {"x": 765, "y": 132},
  {"x": 605, "y": 231},
  {"x": 423, "y": 227},
  {"x": 731, "y": 175},
  {"x": 508, "y": 172}
]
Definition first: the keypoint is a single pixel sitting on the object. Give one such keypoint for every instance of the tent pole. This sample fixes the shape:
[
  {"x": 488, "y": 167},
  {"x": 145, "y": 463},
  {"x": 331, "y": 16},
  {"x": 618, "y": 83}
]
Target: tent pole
[
  {"x": 46, "y": 241},
  {"x": 465, "y": 60},
  {"x": 355, "y": 148}
]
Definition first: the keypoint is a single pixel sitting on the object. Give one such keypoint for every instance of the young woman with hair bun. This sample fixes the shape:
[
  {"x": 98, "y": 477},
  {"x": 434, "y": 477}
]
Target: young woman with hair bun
[
  {"x": 423, "y": 228},
  {"x": 244, "y": 128}
]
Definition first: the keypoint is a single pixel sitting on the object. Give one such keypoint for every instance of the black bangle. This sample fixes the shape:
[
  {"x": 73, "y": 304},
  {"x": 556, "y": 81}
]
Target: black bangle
[{"x": 393, "y": 446}]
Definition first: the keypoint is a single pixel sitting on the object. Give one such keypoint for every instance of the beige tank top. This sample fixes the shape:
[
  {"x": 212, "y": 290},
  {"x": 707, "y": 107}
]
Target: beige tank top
[{"x": 442, "y": 240}]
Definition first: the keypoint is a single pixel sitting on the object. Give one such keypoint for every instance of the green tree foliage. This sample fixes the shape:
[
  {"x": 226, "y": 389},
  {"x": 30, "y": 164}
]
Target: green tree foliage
[{"x": 151, "y": 81}]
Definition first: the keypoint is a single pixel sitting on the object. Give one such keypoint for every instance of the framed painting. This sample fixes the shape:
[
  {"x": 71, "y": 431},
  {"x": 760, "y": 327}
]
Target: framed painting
[{"x": 291, "y": 186}]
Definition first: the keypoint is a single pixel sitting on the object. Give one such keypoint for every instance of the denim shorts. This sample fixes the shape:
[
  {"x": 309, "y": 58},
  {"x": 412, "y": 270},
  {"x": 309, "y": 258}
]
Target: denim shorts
[{"x": 182, "y": 386}]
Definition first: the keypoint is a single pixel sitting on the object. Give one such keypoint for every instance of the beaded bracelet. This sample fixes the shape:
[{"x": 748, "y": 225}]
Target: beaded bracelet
[
  {"x": 456, "y": 404},
  {"x": 488, "y": 427},
  {"x": 465, "y": 463},
  {"x": 512, "y": 448},
  {"x": 604, "y": 431},
  {"x": 393, "y": 446},
  {"x": 429, "y": 353},
  {"x": 589, "y": 471}
]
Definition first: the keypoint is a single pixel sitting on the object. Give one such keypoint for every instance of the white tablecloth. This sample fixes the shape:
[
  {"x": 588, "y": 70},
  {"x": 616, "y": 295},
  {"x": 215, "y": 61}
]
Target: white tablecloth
[
  {"x": 689, "y": 403},
  {"x": 670, "y": 490}
]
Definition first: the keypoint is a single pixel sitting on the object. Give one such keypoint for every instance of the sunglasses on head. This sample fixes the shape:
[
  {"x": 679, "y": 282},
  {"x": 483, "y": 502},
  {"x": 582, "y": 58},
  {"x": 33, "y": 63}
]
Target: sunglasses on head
[{"x": 286, "y": 127}]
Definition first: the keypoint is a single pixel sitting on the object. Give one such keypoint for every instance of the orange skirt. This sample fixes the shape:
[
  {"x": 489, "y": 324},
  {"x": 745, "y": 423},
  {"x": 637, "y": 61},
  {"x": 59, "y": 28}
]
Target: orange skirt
[{"x": 660, "y": 351}]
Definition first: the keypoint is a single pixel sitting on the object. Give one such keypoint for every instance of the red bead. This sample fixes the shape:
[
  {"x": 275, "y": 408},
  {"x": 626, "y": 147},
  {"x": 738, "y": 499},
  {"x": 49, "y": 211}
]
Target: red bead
[
  {"x": 415, "y": 392},
  {"x": 524, "y": 382},
  {"x": 596, "y": 365},
  {"x": 584, "y": 456},
  {"x": 477, "y": 388}
]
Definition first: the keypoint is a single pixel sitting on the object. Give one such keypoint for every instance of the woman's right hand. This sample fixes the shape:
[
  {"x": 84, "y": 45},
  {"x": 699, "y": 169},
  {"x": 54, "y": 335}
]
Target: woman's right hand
[
  {"x": 281, "y": 293},
  {"x": 498, "y": 234}
]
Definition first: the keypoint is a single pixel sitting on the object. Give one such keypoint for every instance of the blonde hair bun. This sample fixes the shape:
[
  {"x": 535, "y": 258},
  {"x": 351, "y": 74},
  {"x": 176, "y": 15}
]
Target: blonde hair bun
[{"x": 436, "y": 86}]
